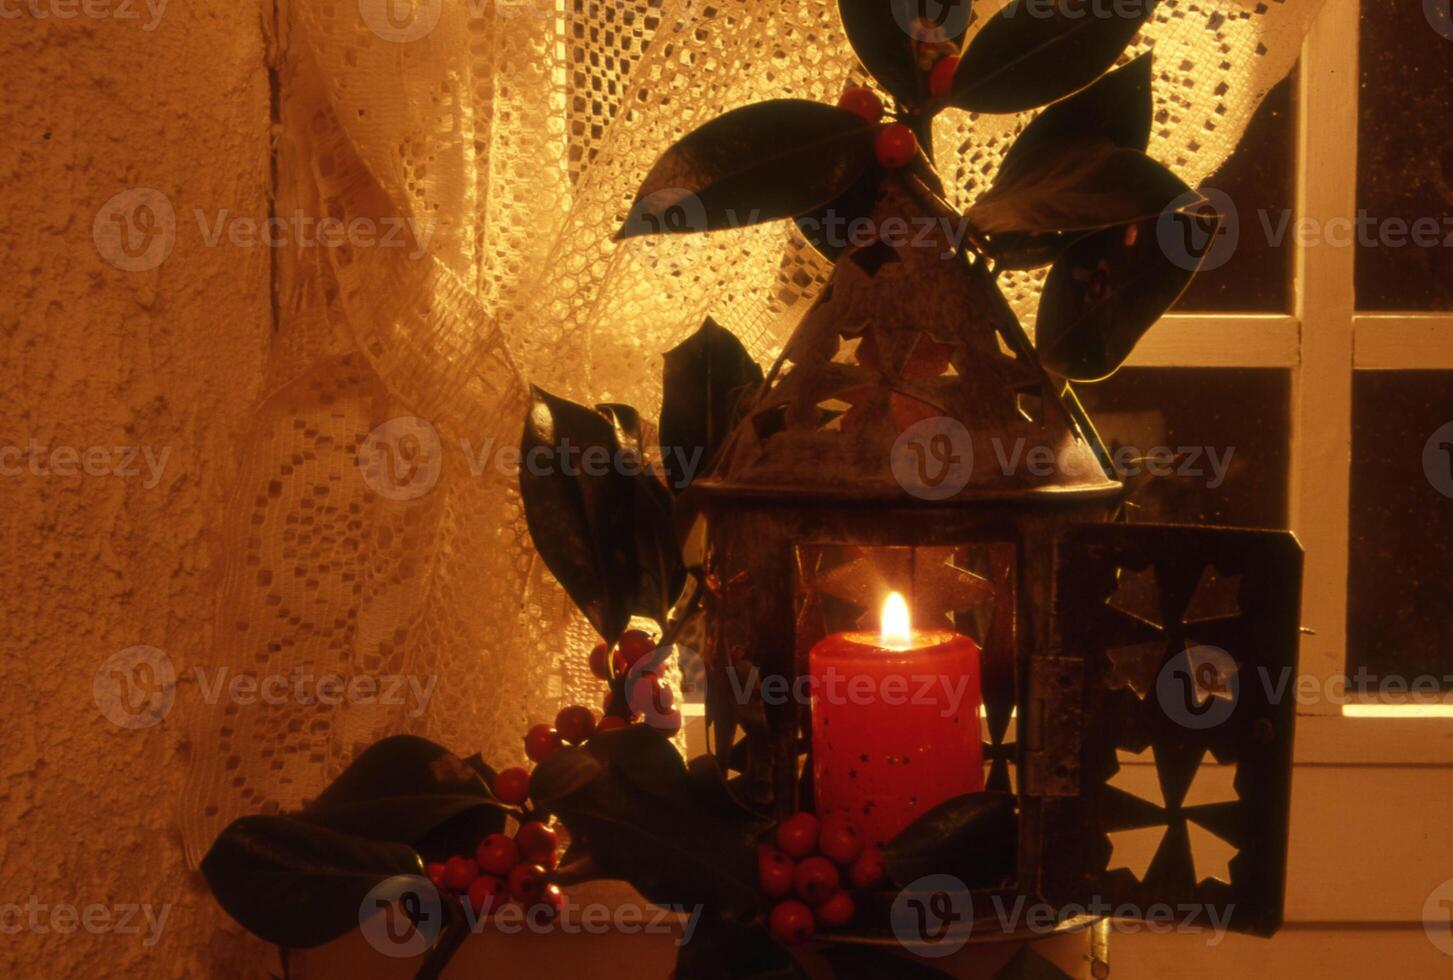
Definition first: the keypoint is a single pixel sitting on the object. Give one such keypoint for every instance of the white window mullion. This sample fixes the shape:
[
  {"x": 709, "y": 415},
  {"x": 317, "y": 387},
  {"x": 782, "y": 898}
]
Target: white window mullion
[{"x": 1325, "y": 303}]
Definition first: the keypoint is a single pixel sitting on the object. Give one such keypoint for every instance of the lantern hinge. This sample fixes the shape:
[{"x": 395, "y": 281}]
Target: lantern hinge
[{"x": 1054, "y": 718}]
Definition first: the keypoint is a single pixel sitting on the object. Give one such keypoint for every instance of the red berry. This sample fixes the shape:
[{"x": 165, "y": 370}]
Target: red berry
[
  {"x": 941, "y": 78},
  {"x": 600, "y": 661},
  {"x": 512, "y": 785},
  {"x": 862, "y": 102},
  {"x": 575, "y": 723},
  {"x": 487, "y": 894},
  {"x": 774, "y": 872},
  {"x": 459, "y": 873},
  {"x": 797, "y": 835},
  {"x": 791, "y": 922},
  {"x": 541, "y": 742},
  {"x": 896, "y": 146},
  {"x": 839, "y": 841},
  {"x": 550, "y": 903},
  {"x": 633, "y": 645},
  {"x": 868, "y": 870},
  {"x": 611, "y": 723},
  {"x": 536, "y": 842},
  {"x": 527, "y": 882},
  {"x": 837, "y": 911},
  {"x": 816, "y": 880},
  {"x": 496, "y": 855},
  {"x": 435, "y": 872}
]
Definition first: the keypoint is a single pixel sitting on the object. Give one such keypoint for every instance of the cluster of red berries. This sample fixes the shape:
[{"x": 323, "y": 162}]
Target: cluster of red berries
[
  {"x": 896, "y": 145},
  {"x": 504, "y": 869},
  {"x": 629, "y": 698},
  {"x": 804, "y": 867}
]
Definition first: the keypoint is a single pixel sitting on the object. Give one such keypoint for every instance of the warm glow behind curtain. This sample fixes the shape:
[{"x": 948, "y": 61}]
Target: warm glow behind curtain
[{"x": 375, "y": 531}]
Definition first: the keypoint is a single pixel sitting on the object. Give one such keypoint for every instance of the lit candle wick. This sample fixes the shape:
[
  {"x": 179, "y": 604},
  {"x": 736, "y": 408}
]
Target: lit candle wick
[{"x": 896, "y": 632}]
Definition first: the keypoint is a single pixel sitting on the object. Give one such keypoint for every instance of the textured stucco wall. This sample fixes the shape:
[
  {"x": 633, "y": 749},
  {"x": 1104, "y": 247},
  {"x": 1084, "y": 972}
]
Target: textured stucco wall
[{"x": 102, "y": 97}]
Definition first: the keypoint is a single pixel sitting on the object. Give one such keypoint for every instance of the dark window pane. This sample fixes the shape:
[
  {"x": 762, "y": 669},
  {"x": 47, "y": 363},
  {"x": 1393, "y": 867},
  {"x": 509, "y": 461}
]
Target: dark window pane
[
  {"x": 1258, "y": 180},
  {"x": 1405, "y": 156},
  {"x": 1227, "y": 426},
  {"x": 1401, "y": 552}
]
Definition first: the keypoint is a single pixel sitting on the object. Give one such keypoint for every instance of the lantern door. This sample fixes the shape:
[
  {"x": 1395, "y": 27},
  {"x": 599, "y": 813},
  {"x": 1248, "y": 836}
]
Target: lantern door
[{"x": 1157, "y": 736}]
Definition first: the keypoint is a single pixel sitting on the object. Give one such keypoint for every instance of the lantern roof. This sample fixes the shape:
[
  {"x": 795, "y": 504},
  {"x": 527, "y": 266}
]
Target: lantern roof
[{"x": 909, "y": 379}]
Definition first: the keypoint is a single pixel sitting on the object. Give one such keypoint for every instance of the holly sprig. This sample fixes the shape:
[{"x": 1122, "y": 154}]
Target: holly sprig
[{"x": 1077, "y": 191}]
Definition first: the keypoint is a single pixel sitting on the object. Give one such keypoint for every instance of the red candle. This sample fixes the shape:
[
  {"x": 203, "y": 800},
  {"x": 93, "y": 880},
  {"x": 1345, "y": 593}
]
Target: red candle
[{"x": 895, "y": 723}]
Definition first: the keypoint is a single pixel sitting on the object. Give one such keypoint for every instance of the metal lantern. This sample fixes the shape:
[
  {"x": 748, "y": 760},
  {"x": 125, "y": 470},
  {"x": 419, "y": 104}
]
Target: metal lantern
[{"x": 908, "y": 440}]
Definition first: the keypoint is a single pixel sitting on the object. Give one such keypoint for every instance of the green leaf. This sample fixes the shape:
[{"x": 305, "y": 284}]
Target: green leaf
[
  {"x": 758, "y": 163},
  {"x": 1034, "y": 52},
  {"x": 628, "y": 794},
  {"x": 1118, "y": 108},
  {"x": 409, "y": 790},
  {"x": 600, "y": 520},
  {"x": 1101, "y": 297},
  {"x": 298, "y": 884},
  {"x": 897, "y": 43},
  {"x": 972, "y": 837},
  {"x": 707, "y": 377},
  {"x": 1090, "y": 184}
]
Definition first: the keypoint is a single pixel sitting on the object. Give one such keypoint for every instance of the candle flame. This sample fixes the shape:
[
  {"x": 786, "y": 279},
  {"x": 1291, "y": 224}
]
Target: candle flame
[{"x": 896, "y": 629}]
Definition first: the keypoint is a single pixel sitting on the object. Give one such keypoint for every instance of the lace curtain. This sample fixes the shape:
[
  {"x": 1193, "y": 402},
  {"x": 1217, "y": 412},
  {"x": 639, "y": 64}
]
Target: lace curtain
[{"x": 482, "y": 153}]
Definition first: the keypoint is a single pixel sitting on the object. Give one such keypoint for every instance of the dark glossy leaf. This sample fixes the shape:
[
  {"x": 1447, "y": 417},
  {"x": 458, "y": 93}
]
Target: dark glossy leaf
[
  {"x": 626, "y": 423},
  {"x": 1117, "y": 108},
  {"x": 1019, "y": 251},
  {"x": 713, "y": 790},
  {"x": 298, "y": 884},
  {"x": 645, "y": 826},
  {"x": 660, "y": 571},
  {"x": 410, "y": 790},
  {"x": 574, "y": 516},
  {"x": 1038, "y": 51},
  {"x": 722, "y": 950},
  {"x": 1091, "y": 184},
  {"x": 829, "y": 229},
  {"x": 870, "y": 963},
  {"x": 759, "y": 163},
  {"x": 1103, "y": 294},
  {"x": 564, "y": 773},
  {"x": 972, "y": 837},
  {"x": 601, "y": 522},
  {"x": 707, "y": 376},
  {"x": 898, "y": 41}
]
